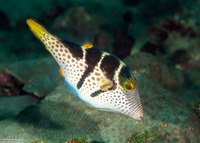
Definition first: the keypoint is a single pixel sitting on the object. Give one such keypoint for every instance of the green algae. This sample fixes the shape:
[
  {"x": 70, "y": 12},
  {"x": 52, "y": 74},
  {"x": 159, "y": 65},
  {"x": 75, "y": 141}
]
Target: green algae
[{"x": 146, "y": 136}]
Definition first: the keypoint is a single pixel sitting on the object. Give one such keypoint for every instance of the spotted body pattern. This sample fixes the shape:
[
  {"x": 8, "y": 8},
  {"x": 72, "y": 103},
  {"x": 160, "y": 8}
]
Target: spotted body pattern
[{"x": 99, "y": 79}]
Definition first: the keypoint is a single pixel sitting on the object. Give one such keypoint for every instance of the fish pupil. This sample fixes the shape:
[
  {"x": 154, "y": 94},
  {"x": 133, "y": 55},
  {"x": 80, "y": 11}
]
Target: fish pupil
[{"x": 129, "y": 86}]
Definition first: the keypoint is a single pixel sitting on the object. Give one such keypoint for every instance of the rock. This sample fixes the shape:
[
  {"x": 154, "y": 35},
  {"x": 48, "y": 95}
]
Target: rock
[
  {"x": 11, "y": 106},
  {"x": 147, "y": 66},
  {"x": 38, "y": 77},
  {"x": 61, "y": 115}
]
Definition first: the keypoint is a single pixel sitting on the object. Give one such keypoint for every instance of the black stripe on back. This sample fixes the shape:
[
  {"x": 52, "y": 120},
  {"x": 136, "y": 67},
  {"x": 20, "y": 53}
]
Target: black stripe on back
[
  {"x": 96, "y": 93},
  {"x": 92, "y": 58},
  {"x": 109, "y": 65},
  {"x": 85, "y": 74},
  {"x": 74, "y": 49}
]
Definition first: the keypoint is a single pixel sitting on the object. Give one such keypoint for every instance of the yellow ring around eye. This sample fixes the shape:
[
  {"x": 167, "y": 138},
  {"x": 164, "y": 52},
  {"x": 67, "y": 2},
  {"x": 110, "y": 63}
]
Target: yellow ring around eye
[{"x": 129, "y": 86}]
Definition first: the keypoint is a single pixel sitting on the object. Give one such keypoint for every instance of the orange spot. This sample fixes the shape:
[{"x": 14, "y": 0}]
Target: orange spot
[
  {"x": 65, "y": 50},
  {"x": 81, "y": 64},
  {"x": 57, "y": 42},
  {"x": 61, "y": 50},
  {"x": 93, "y": 78},
  {"x": 59, "y": 54},
  {"x": 49, "y": 43},
  {"x": 61, "y": 46},
  {"x": 63, "y": 54},
  {"x": 56, "y": 45},
  {"x": 98, "y": 79},
  {"x": 52, "y": 47},
  {"x": 88, "y": 45},
  {"x": 53, "y": 53},
  {"x": 97, "y": 74},
  {"x": 77, "y": 66},
  {"x": 59, "y": 58},
  {"x": 56, "y": 57},
  {"x": 53, "y": 42},
  {"x": 68, "y": 57},
  {"x": 64, "y": 59},
  {"x": 52, "y": 39},
  {"x": 88, "y": 80},
  {"x": 94, "y": 83},
  {"x": 72, "y": 60},
  {"x": 56, "y": 50},
  {"x": 68, "y": 62},
  {"x": 81, "y": 70}
]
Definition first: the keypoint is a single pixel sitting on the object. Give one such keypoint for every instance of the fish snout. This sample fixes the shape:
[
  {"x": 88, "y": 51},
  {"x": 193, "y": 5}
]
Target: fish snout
[{"x": 139, "y": 115}]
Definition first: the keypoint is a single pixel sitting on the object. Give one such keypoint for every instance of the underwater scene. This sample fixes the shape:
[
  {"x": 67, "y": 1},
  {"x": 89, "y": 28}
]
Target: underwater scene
[{"x": 99, "y": 71}]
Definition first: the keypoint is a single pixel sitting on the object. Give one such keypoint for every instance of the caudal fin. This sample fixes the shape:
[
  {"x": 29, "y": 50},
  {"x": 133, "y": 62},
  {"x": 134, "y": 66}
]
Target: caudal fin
[{"x": 40, "y": 32}]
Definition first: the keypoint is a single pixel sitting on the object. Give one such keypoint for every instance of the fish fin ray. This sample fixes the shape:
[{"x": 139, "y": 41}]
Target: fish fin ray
[{"x": 86, "y": 38}]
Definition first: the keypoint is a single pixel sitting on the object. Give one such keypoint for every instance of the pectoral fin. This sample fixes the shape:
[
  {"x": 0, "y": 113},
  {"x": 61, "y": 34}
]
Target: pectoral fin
[{"x": 105, "y": 84}]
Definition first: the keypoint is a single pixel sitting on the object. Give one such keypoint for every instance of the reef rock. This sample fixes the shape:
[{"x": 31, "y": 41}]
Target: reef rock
[{"x": 60, "y": 115}]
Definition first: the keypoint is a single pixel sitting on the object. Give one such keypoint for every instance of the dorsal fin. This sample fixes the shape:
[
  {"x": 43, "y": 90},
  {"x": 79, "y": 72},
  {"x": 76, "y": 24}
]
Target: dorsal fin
[{"x": 86, "y": 38}]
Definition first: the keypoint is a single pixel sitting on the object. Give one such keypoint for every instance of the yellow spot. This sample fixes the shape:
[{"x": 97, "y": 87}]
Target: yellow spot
[
  {"x": 87, "y": 45},
  {"x": 61, "y": 72}
]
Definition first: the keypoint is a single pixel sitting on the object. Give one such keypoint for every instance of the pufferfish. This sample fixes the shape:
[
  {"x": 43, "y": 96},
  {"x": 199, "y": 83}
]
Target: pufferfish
[{"x": 96, "y": 77}]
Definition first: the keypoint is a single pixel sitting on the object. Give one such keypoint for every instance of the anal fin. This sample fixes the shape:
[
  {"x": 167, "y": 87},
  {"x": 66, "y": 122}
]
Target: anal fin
[{"x": 61, "y": 72}]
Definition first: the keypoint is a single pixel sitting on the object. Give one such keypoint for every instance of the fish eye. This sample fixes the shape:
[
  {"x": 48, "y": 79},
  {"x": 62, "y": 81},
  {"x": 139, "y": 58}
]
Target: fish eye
[
  {"x": 126, "y": 84},
  {"x": 129, "y": 86}
]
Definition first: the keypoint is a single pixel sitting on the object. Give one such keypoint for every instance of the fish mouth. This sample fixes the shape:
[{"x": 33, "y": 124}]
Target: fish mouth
[
  {"x": 133, "y": 105},
  {"x": 38, "y": 30},
  {"x": 139, "y": 115}
]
